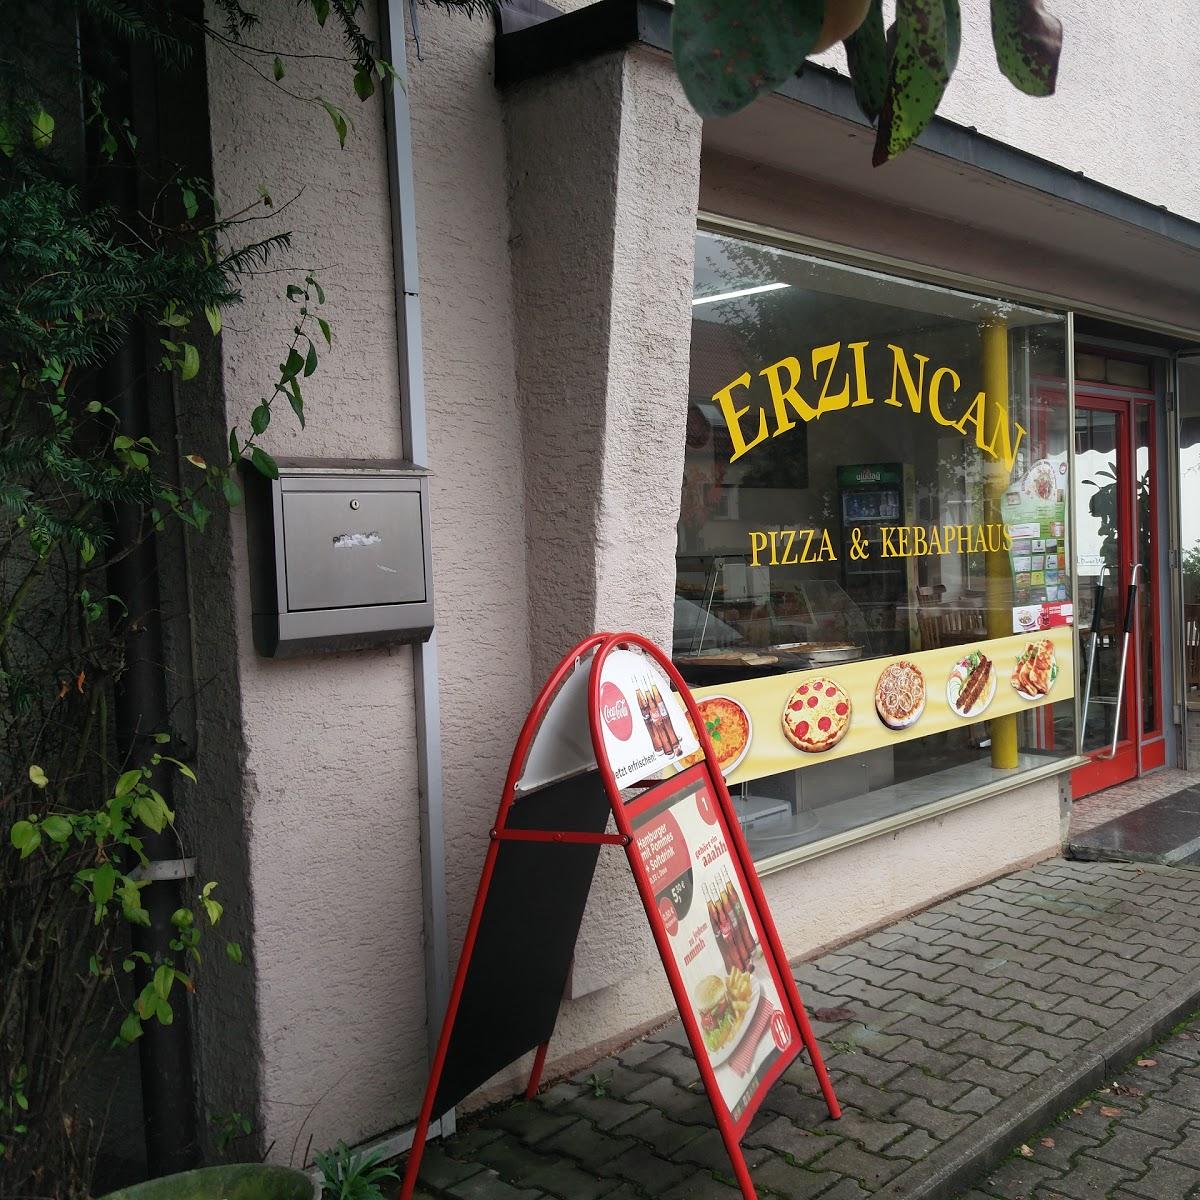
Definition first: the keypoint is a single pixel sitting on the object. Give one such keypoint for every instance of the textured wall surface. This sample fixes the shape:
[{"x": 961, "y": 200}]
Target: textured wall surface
[
  {"x": 1124, "y": 111},
  {"x": 326, "y": 774}
]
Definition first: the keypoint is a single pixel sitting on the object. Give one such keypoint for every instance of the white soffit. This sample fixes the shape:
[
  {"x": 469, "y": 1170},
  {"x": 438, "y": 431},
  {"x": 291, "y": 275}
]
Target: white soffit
[{"x": 821, "y": 148}]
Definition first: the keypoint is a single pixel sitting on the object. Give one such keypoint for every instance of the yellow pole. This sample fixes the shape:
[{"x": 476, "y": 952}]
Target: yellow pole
[{"x": 999, "y": 571}]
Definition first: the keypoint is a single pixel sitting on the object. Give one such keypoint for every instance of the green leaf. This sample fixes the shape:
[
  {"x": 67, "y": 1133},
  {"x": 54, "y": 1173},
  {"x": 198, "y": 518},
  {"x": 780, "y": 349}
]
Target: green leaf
[
  {"x": 264, "y": 463},
  {"x": 191, "y": 206},
  {"x": 866, "y": 58},
  {"x": 103, "y": 884},
  {"x": 339, "y": 121},
  {"x": 131, "y": 1029},
  {"x": 190, "y": 365},
  {"x": 296, "y": 400},
  {"x": 1028, "y": 42},
  {"x": 260, "y": 418},
  {"x": 127, "y": 781},
  {"x": 919, "y": 74},
  {"x": 213, "y": 314},
  {"x": 8, "y": 143},
  {"x": 294, "y": 291},
  {"x": 24, "y": 838},
  {"x": 164, "y": 977},
  {"x": 213, "y": 908},
  {"x": 56, "y": 828},
  {"x": 233, "y": 493},
  {"x": 364, "y": 85},
  {"x": 321, "y": 8},
  {"x": 42, "y": 124},
  {"x": 278, "y": 68},
  {"x": 318, "y": 288},
  {"x": 953, "y": 34},
  {"x": 310, "y": 360},
  {"x": 293, "y": 366},
  {"x": 37, "y": 776},
  {"x": 181, "y": 767},
  {"x": 235, "y": 451},
  {"x": 325, "y": 330},
  {"x": 234, "y": 951},
  {"x": 729, "y": 51}
]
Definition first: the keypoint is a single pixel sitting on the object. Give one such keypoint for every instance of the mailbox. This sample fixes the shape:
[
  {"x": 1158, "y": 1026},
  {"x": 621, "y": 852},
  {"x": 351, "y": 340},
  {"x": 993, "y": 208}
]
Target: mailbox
[{"x": 339, "y": 555}]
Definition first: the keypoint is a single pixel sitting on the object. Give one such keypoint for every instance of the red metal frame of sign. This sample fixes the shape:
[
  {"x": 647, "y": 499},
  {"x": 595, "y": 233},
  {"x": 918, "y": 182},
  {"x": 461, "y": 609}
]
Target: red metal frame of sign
[{"x": 788, "y": 1023}]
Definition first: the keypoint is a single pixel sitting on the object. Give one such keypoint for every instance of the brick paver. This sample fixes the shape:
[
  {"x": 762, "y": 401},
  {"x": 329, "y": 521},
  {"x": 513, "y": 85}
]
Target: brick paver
[
  {"x": 1136, "y": 1139},
  {"x": 953, "y": 1024}
]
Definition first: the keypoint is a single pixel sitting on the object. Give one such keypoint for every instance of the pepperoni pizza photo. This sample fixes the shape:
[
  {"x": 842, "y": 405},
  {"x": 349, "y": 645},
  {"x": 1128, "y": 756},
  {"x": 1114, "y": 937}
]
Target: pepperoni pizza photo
[{"x": 816, "y": 716}]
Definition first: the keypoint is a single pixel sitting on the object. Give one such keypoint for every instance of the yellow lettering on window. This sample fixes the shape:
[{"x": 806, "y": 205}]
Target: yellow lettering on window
[
  {"x": 782, "y": 396},
  {"x": 733, "y": 416},
  {"x": 902, "y": 372}
]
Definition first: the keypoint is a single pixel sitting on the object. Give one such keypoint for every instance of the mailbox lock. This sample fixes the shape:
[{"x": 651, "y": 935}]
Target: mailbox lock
[{"x": 354, "y": 505}]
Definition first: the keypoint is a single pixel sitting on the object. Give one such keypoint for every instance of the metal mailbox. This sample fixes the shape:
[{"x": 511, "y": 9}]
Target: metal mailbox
[{"x": 339, "y": 555}]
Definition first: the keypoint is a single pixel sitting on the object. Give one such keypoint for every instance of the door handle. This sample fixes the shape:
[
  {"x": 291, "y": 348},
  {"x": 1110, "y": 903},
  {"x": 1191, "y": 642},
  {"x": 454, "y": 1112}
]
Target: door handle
[{"x": 1130, "y": 606}]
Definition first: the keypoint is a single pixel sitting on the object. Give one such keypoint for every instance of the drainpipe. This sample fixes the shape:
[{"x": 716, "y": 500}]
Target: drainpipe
[
  {"x": 402, "y": 207},
  {"x": 141, "y": 704}
]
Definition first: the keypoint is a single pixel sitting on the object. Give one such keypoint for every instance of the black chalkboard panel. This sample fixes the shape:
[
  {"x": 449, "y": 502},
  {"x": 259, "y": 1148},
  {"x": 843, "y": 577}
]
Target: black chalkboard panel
[{"x": 526, "y": 937}]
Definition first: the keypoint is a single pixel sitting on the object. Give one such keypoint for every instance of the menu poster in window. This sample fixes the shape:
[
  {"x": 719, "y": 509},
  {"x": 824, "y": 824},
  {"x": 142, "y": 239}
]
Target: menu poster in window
[
  {"x": 1034, "y": 511},
  {"x": 645, "y": 729},
  {"x": 716, "y": 939}
]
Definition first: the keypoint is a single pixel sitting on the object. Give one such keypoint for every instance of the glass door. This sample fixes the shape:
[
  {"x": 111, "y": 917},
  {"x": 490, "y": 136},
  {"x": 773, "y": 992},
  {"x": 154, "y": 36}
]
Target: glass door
[
  {"x": 1188, "y": 506},
  {"x": 1116, "y": 553}
]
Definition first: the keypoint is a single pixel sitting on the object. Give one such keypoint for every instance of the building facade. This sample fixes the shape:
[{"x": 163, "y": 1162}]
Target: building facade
[{"x": 725, "y": 384}]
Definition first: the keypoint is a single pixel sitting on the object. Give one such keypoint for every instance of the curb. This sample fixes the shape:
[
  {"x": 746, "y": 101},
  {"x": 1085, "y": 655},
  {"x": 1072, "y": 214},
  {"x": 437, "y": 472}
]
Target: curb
[{"x": 968, "y": 1156}]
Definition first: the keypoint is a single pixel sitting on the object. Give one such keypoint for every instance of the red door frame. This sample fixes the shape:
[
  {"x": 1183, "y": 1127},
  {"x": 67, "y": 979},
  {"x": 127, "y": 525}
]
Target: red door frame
[{"x": 1139, "y": 750}]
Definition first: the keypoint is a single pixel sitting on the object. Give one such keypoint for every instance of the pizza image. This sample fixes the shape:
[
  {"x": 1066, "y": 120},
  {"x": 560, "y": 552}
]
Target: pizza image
[
  {"x": 1036, "y": 670},
  {"x": 816, "y": 716},
  {"x": 728, "y": 726},
  {"x": 900, "y": 695}
]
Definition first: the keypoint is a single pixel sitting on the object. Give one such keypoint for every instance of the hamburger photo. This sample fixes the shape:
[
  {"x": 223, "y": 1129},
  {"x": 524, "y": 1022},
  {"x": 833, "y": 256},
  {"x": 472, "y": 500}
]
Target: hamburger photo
[{"x": 718, "y": 1020}]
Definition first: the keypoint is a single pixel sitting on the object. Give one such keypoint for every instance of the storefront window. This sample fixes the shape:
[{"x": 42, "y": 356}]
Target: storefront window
[{"x": 873, "y": 585}]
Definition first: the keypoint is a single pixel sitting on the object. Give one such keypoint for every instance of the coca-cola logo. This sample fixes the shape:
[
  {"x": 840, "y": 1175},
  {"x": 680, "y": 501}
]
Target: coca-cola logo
[{"x": 614, "y": 708}]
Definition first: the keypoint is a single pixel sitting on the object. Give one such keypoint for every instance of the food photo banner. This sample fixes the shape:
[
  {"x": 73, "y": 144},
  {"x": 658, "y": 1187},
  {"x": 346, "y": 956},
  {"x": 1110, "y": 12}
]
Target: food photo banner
[{"x": 782, "y": 722}]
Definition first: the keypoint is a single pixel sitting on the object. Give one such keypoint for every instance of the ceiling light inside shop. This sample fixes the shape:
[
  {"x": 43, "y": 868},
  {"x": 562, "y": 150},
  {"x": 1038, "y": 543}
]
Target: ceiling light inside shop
[{"x": 750, "y": 291}]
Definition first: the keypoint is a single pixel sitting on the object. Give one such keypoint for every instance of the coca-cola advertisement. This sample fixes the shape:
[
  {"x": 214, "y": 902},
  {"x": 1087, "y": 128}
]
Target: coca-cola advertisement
[
  {"x": 747, "y": 1031},
  {"x": 645, "y": 729}
]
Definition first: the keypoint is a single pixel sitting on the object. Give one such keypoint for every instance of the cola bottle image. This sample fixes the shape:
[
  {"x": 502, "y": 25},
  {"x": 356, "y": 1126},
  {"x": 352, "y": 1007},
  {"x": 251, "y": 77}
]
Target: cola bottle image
[
  {"x": 737, "y": 936},
  {"x": 747, "y": 929},
  {"x": 673, "y": 738},
  {"x": 715, "y": 924},
  {"x": 656, "y": 739}
]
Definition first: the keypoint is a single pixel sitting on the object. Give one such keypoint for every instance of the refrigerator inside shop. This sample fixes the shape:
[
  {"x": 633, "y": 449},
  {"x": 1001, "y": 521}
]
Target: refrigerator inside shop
[{"x": 870, "y": 496}]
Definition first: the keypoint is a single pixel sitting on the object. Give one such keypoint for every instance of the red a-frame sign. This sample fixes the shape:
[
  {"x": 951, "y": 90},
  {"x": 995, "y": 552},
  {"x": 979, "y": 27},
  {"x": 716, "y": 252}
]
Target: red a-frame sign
[{"x": 610, "y": 719}]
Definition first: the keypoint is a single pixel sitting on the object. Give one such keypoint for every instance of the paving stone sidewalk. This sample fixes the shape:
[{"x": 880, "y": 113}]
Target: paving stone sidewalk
[
  {"x": 1137, "y": 1139},
  {"x": 951, "y": 1037}
]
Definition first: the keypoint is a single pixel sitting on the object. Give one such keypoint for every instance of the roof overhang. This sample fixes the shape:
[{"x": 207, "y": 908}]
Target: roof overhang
[{"x": 811, "y": 128}]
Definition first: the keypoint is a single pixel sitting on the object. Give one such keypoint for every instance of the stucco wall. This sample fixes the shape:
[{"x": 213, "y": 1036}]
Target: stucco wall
[{"x": 323, "y": 765}]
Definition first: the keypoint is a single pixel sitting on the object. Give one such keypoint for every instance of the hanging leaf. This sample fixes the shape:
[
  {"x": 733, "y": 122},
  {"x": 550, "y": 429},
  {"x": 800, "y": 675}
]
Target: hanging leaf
[
  {"x": 729, "y": 51},
  {"x": 189, "y": 364},
  {"x": 260, "y": 418},
  {"x": 296, "y": 400},
  {"x": 339, "y": 121},
  {"x": 918, "y": 78},
  {"x": 278, "y": 68},
  {"x": 264, "y": 463},
  {"x": 310, "y": 360},
  {"x": 326, "y": 333},
  {"x": 233, "y": 493},
  {"x": 866, "y": 57},
  {"x": 213, "y": 316},
  {"x": 1028, "y": 42},
  {"x": 953, "y": 35},
  {"x": 364, "y": 85},
  {"x": 43, "y": 128},
  {"x": 37, "y": 776}
]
